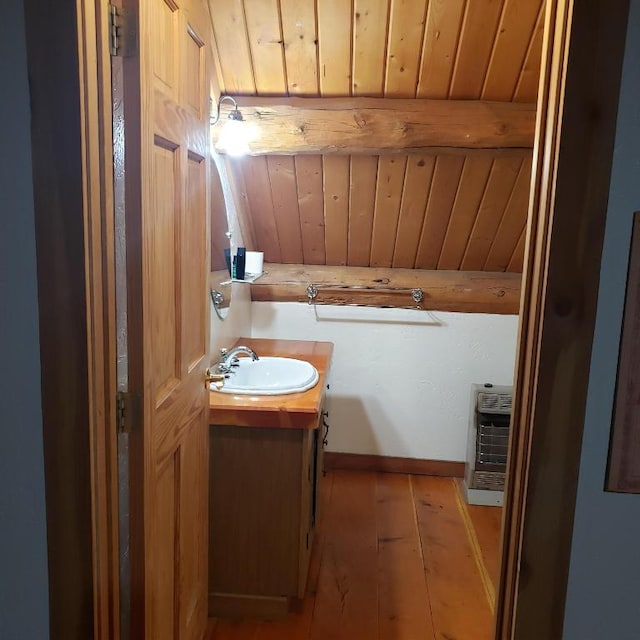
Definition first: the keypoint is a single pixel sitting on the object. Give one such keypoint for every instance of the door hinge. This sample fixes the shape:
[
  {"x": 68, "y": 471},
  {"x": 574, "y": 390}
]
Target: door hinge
[
  {"x": 122, "y": 32},
  {"x": 128, "y": 411}
]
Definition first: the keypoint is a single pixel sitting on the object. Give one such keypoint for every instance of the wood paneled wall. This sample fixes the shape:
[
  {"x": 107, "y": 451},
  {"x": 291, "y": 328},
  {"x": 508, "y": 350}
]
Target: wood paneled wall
[
  {"x": 416, "y": 211},
  {"x": 411, "y": 211},
  {"x": 471, "y": 49}
]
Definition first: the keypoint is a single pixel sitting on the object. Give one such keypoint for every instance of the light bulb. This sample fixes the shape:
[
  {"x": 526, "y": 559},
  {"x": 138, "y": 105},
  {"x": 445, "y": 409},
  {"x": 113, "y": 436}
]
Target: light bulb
[{"x": 233, "y": 138}]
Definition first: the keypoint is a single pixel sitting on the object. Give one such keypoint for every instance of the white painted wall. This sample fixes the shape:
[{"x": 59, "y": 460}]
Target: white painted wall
[
  {"x": 400, "y": 379},
  {"x": 603, "y": 598},
  {"x": 224, "y": 333}
]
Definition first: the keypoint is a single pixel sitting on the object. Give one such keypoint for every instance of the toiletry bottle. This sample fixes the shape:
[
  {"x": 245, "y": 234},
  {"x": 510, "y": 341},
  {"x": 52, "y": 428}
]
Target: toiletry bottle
[{"x": 240, "y": 263}]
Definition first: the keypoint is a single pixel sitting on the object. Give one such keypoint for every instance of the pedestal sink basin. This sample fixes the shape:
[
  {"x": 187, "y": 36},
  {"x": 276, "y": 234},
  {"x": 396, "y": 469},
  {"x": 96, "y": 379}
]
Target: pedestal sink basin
[{"x": 270, "y": 376}]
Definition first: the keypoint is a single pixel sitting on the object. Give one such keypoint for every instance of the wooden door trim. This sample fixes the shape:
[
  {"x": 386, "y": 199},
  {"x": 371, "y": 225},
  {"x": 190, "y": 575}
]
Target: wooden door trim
[
  {"x": 582, "y": 63},
  {"x": 98, "y": 212},
  {"x": 69, "y": 75}
]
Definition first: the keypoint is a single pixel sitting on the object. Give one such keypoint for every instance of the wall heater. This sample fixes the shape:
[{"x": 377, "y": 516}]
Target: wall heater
[{"x": 488, "y": 444}]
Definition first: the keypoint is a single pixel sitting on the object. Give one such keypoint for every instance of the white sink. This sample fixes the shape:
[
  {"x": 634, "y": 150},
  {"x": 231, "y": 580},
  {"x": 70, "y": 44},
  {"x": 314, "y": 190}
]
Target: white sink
[{"x": 270, "y": 376}]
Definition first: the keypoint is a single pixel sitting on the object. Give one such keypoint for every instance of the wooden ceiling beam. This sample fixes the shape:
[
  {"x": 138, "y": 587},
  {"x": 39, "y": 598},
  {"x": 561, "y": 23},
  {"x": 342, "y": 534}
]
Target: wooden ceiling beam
[
  {"x": 289, "y": 126},
  {"x": 463, "y": 291}
]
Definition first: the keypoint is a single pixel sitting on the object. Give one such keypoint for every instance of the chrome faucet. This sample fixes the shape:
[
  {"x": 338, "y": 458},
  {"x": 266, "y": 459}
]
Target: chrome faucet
[{"x": 229, "y": 359}]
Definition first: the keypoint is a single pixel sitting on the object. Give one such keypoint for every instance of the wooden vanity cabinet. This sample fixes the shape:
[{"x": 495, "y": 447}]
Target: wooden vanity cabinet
[{"x": 264, "y": 485}]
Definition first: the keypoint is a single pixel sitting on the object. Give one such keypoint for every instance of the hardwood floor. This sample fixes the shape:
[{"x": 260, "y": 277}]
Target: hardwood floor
[{"x": 398, "y": 557}]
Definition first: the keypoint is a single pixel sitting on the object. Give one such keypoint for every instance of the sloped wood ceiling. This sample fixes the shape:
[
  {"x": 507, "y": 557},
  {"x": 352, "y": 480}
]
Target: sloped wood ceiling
[{"x": 450, "y": 212}]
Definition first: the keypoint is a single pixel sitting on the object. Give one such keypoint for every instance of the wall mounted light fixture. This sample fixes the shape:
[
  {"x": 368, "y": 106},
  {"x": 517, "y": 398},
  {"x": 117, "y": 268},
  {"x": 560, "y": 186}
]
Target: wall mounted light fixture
[{"x": 233, "y": 138}]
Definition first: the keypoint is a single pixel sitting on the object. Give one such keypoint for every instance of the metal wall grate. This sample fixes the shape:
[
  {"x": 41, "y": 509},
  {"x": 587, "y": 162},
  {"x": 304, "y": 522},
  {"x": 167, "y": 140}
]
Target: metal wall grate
[
  {"x": 499, "y": 403},
  {"x": 489, "y": 438},
  {"x": 491, "y": 481}
]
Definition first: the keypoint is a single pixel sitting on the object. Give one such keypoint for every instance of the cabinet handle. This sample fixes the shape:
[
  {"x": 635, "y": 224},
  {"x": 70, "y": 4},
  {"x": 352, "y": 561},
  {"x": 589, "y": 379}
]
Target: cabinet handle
[{"x": 325, "y": 424}]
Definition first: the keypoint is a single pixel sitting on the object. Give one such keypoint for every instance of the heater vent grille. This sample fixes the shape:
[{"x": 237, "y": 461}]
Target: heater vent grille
[
  {"x": 491, "y": 481},
  {"x": 488, "y": 447},
  {"x": 492, "y": 402}
]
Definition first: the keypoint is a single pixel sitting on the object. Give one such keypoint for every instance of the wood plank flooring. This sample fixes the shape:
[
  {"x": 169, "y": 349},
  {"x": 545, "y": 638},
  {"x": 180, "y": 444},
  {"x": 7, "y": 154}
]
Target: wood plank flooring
[
  {"x": 485, "y": 527},
  {"x": 398, "y": 557}
]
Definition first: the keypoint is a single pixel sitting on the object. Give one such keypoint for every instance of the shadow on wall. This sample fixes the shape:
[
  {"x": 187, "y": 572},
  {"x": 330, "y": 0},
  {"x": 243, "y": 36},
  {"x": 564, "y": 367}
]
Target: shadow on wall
[
  {"x": 400, "y": 383},
  {"x": 356, "y": 427}
]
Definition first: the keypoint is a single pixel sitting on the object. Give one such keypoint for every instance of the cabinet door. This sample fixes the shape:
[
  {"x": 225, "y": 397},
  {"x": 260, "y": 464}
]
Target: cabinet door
[
  {"x": 312, "y": 465},
  {"x": 255, "y": 486},
  {"x": 306, "y": 509},
  {"x": 319, "y": 438}
]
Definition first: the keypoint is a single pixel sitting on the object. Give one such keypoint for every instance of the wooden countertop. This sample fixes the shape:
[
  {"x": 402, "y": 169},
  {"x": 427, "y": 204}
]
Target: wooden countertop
[{"x": 293, "y": 411}]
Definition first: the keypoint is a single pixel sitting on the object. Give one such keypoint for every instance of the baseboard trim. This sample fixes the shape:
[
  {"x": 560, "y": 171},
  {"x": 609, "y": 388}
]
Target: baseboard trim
[
  {"x": 233, "y": 605},
  {"x": 387, "y": 464}
]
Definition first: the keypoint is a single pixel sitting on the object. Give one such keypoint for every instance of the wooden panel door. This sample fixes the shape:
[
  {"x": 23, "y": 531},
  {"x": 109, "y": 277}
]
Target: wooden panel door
[{"x": 167, "y": 191}]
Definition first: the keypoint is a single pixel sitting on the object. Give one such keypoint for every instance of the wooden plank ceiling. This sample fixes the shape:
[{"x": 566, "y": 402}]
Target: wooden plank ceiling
[{"x": 417, "y": 210}]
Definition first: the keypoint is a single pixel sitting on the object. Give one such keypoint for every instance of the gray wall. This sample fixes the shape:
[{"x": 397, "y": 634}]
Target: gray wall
[
  {"x": 603, "y": 599},
  {"x": 23, "y": 560}
]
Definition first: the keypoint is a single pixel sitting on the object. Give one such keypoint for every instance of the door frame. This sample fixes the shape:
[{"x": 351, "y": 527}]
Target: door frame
[
  {"x": 98, "y": 212},
  {"x": 575, "y": 132},
  {"x": 69, "y": 79},
  {"x": 582, "y": 59}
]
